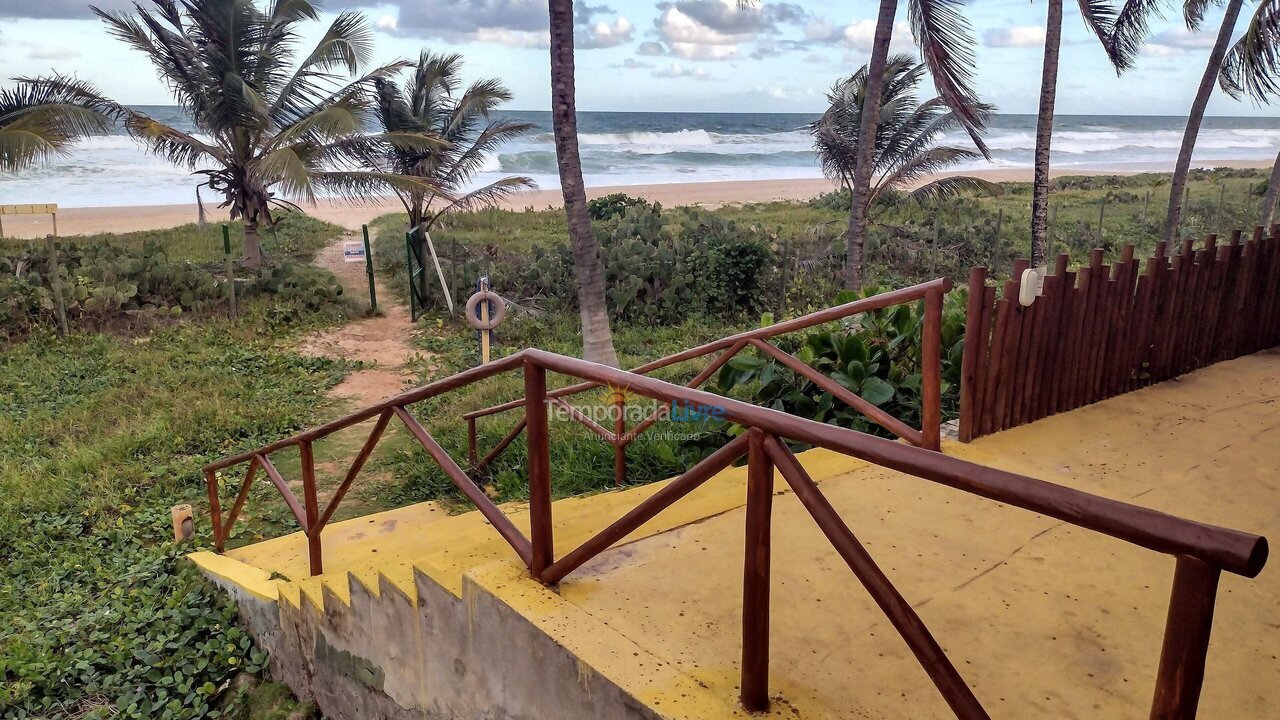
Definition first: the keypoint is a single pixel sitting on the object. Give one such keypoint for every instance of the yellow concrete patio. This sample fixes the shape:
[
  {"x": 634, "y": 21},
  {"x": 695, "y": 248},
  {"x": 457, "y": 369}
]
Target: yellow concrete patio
[{"x": 1041, "y": 618}]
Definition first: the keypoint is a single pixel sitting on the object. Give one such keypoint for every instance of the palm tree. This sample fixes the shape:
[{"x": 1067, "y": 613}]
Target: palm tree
[
  {"x": 1249, "y": 67},
  {"x": 268, "y": 120},
  {"x": 597, "y": 338},
  {"x": 904, "y": 149},
  {"x": 429, "y": 103},
  {"x": 42, "y": 117},
  {"x": 946, "y": 45},
  {"x": 1099, "y": 18}
]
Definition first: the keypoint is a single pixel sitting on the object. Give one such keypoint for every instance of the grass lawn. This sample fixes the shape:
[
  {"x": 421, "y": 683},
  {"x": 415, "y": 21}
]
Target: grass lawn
[{"x": 99, "y": 436}]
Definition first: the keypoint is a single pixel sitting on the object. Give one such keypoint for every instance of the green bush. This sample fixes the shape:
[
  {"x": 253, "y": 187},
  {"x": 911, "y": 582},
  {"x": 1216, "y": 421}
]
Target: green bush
[
  {"x": 102, "y": 281},
  {"x": 615, "y": 206},
  {"x": 878, "y": 358}
]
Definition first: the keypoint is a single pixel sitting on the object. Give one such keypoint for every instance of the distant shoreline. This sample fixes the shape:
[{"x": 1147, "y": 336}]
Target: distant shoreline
[{"x": 120, "y": 219}]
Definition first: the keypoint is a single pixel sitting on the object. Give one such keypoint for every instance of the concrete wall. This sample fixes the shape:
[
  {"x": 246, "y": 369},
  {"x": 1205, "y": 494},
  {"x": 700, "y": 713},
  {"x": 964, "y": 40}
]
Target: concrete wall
[{"x": 442, "y": 657}]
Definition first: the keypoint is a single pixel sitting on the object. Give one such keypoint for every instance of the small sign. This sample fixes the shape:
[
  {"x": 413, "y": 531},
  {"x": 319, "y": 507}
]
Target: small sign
[{"x": 353, "y": 251}]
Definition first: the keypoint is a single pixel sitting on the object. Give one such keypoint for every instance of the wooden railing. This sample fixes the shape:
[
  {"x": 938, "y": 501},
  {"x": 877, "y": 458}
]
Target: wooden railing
[
  {"x": 1104, "y": 330},
  {"x": 929, "y": 435},
  {"x": 1203, "y": 551}
]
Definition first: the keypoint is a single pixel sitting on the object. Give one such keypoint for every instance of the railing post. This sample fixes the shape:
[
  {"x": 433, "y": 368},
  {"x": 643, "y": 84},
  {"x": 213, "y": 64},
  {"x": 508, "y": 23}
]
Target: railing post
[
  {"x": 1186, "y": 640},
  {"x": 755, "y": 576},
  {"x": 312, "y": 507},
  {"x": 473, "y": 453},
  {"x": 215, "y": 509},
  {"x": 931, "y": 372},
  {"x": 619, "y": 447},
  {"x": 540, "y": 537},
  {"x": 975, "y": 336}
]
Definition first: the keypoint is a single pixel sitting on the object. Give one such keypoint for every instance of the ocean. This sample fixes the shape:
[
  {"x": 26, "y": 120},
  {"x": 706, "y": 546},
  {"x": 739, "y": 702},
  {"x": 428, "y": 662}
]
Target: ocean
[{"x": 644, "y": 148}]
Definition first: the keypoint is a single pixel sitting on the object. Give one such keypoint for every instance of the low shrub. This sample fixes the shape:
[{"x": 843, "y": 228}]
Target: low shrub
[
  {"x": 101, "y": 281},
  {"x": 876, "y": 356}
]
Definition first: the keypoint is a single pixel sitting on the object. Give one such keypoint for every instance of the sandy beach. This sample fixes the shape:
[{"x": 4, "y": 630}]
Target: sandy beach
[{"x": 89, "y": 220}]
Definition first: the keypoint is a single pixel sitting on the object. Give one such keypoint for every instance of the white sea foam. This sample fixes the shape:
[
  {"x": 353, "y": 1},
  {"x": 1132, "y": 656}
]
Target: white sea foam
[{"x": 641, "y": 148}]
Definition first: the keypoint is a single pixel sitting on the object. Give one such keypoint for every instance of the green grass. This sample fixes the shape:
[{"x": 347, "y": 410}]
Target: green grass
[{"x": 99, "y": 436}]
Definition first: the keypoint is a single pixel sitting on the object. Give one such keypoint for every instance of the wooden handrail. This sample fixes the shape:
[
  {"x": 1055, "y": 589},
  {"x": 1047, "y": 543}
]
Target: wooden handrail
[
  {"x": 821, "y": 317},
  {"x": 1232, "y": 550},
  {"x": 1203, "y": 551}
]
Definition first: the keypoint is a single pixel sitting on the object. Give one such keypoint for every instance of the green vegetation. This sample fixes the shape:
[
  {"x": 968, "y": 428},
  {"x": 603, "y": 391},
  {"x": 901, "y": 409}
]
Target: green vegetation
[
  {"x": 148, "y": 277},
  {"x": 909, "y": 240},
  {"x": 99, "y": 436}
]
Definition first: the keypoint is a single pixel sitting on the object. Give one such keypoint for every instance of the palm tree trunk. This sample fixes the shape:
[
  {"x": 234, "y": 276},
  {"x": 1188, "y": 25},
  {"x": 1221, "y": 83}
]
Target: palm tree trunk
[
  {"x": 1044, "y": 135},
  {"x": 252, "y": 243},
  {"x": 856, "y": 239},
  {"x": 1269, "y": 200},
  {"x": 1196, "y": 117},
  {"x": 597, "y": 339}
]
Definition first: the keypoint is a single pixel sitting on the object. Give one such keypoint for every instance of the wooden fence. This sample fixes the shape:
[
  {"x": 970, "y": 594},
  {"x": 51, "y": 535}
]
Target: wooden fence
[{"x": 1104, "y": 330}]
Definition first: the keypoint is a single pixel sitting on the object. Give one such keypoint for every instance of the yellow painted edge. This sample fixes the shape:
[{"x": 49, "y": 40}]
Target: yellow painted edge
[
  {"x": 601, "y": 649},
  {"x": 255, "y": 581}
]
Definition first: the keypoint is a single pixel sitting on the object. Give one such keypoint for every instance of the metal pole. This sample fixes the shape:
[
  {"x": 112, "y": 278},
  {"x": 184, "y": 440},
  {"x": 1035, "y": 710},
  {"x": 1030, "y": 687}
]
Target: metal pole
[
  {"x": 1102, "y": 209},
  {"x": 368, "y": 268},
  {"x": 231, "y": 268}
]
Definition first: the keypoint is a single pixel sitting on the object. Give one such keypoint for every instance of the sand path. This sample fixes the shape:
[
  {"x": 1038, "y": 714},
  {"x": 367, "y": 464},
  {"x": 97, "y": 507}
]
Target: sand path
[{"x": 384, "y": 341}]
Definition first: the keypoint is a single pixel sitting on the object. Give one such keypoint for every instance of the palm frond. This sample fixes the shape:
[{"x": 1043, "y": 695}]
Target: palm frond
[
  {"x": 1252, "y": 66},
  {"x": 488, "y": 195},
  {"x": 43, "y": 116},
  {"x": 1129, "y": 31},
  {"x": 954, "y": 186},
  {"x": 946, "y": 45}
]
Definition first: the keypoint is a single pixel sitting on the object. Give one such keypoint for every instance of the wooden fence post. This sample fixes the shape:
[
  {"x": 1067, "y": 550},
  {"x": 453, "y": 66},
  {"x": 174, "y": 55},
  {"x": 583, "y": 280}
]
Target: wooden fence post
[
  {"x": 540, "y": 526},
  {"x": 931, "y": 372},
  {"x": 1186, "y": 641},
  {"x": 312, "y": 507},
  {"x": 755, "y": 576},
  {"x": 975, "y": 339}
]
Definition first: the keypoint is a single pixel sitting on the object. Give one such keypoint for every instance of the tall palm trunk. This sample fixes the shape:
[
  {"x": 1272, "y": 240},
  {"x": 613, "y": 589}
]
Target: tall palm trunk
[
  {"x": 863, "y": 168},
  {"x": 1196, "y": 117},
  {"x": 252, "y": 244},
  {"x": 1044, "y": 135},
  {"x": 597, "y": 339},
  {"x": 1269, "y": 200}
]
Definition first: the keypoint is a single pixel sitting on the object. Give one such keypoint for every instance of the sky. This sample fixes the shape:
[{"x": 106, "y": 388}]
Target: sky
[{"x": 678, "y": 55}]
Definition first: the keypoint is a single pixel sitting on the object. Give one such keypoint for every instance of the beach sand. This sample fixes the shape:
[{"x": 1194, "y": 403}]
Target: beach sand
[{"x": 89, "y": 220}]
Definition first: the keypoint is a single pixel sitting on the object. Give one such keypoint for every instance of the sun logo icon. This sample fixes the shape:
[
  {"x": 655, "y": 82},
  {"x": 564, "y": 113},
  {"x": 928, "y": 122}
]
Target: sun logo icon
[{"x": 618, "y": 395}]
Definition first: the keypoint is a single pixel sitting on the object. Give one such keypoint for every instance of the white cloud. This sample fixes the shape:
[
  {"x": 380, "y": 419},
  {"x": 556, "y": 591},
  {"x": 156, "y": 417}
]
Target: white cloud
[
  {"x": 604, "y": 35},
  {"x": 676, "y": 27},
  {"x": 694, "y": 51},
  {"x": 387, "y": 23},
  {"x": 630, "y": 64},
  {"x": 513, "y": 38},
  {"x": 676, "y": 70},
  {"x": 1176, "y": 41},
  {"x": 1014, "y": 37},
  {"x": 861, "y": 36}
]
